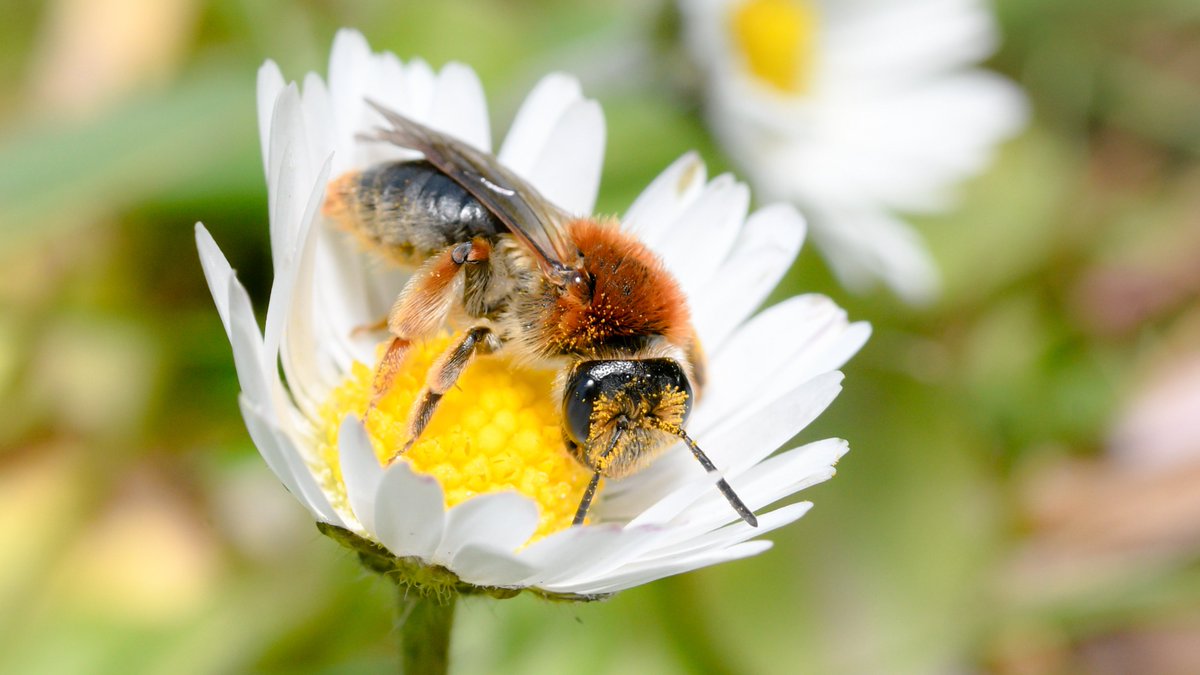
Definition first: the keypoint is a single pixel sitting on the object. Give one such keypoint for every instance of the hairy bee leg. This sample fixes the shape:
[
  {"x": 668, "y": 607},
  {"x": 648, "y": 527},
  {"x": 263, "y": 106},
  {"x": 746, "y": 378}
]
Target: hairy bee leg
[
  {"x": 422, "y": 307},
  {"x": 443, "y": 375},
  {"x": 389, "y": 365},
  {"x": 429, "y": 295}
]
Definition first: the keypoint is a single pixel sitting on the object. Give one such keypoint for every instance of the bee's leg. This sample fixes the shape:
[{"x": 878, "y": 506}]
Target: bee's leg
[
  {"x": 422, "y": 307},
  {"x": 442, "y": 376},
  {"x": 385, "y": 373}
]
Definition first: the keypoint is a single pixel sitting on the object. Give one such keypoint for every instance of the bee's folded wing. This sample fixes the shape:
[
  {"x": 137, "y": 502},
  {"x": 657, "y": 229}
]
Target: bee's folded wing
[{"x": 530, "y": 217}]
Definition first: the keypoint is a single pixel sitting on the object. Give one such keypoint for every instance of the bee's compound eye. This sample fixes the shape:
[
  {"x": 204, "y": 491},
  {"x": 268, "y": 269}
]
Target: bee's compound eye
[
  {"x": 578, "y": 398},
  {"x": 589, "y": 381}
]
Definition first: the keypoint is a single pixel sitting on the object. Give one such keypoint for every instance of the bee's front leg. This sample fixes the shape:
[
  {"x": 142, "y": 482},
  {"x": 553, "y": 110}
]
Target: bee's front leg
[{"x": 423, "y": 306}]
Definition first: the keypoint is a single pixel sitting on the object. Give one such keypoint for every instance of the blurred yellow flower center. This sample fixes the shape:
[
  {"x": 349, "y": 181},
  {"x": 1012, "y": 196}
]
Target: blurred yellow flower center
[
  {"x": 497, "y": 429},
  {"x": 776, "y": 38}
]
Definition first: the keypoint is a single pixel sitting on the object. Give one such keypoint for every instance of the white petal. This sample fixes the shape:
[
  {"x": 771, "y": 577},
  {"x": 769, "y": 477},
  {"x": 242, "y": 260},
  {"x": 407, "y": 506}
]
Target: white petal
[
  {"x": 217, "y": 272},
  {"x": 284, "y": 460},
  {"x": 318, "y": 115},
  {"x": 683, "y": 541},
  {"x": 751, "y": 365},
  {"x": 866, "y": 244},
  {"x": 765, "y": 483},
  {"x": 659, "y": 205},
  {"x": 486, "y": 566},
  {"x": 906, "y": 149},
  {"x": 308, "y": 363},
  {"x": 409, "y": 512},
  {"x": 292, "y": 328},
  {"x": 567, "y": 170},
  {"x": 755, "y": 435},
  {"x": 270, "y": 83},
  {"x": 564, "y": 552},
  {"x": 635, "y": 576},
  {"x": 871, "y": 42},
  {"x": 701, "y": 237},
  {"x": 361, "y": 471},
  {"x": 499, "y": 520},
  {"x": 420, "y": 86},
  {"x": 459, "y": 107},
  {"x": 349, "y": 69},
  {"x": 256, "y": 372},
  {"x": 656, "y": 495},
  {"x": 388, "y": 83},
  {"x": 233, "y": 305},
  {"x": 290, "y": 174},
  {"x": 765, "y": 249},
  {"x": 350, "y": 291},
  {"x": 535, "y": 120},
  {"x": 586, "y": 552}
]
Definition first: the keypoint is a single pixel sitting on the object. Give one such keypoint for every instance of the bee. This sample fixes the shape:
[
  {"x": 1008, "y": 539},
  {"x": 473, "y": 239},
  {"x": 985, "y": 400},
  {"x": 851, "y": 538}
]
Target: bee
[{"x": 576, "y": 294}]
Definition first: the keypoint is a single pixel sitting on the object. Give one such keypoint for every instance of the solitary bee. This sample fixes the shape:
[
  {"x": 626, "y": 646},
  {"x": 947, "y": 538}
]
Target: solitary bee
[{"x": 572, "y": 293}]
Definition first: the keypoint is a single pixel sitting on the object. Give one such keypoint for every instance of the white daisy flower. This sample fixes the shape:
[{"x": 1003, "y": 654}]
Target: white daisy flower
[
  {"x": 854, "y": 110},
  {"x": 486, "y": 498}
]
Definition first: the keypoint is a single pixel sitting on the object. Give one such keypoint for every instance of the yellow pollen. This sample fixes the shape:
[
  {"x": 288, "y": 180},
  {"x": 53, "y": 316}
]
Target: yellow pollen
[
  {"x": 776, "y": 38},
  {"x": 497, "y": 429}
]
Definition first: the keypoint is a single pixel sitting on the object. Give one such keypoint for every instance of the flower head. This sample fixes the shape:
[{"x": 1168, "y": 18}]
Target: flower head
[
  {"x": 854, "y": 111},
  {"x": 479, "y": 502}
]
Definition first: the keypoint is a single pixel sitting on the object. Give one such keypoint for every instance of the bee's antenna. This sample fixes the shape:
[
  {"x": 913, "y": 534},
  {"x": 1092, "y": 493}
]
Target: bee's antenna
[
  {"x": 590, "y": 492},
  {"x": 586, "y": 502},
  {"x": 734, "y": 501}
]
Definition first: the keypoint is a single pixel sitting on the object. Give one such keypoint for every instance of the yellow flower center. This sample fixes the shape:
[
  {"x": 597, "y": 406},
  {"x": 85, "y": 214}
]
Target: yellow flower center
[
  {"x": 497, "y": 429},
  {"x": 776, "y": 38}
]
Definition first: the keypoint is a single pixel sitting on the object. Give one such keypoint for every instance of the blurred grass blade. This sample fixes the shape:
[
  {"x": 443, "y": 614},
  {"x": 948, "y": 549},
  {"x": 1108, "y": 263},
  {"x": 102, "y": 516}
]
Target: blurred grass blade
[{"x": 53, "y": 178}]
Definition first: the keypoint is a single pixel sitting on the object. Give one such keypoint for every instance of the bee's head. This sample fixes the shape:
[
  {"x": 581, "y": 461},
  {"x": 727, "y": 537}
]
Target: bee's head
[
  {"x": 634, "y": 406},
  {"x": 619, "y": 414}
]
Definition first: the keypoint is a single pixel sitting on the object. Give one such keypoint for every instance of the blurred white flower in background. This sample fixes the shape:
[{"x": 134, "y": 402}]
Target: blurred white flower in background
[{"x": 856, "y": 110}]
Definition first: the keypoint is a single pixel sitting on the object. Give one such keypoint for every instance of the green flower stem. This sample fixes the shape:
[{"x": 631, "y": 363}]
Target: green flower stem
[{"x": 425, "y": 622}]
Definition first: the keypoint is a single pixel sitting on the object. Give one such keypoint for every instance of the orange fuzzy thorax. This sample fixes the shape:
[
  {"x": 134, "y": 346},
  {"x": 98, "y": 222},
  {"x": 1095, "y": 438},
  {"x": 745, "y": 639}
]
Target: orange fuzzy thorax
[{"x": 633, "y": 295}]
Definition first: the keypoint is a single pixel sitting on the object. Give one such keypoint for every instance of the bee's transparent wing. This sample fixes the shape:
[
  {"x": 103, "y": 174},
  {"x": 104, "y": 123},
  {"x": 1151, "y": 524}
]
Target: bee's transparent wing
[{"x": 531, "y": 218}]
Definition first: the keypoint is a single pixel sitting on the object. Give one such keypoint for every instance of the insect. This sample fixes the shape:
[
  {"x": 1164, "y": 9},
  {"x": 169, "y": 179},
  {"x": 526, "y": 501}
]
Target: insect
[{"x": 577, "y": 294}]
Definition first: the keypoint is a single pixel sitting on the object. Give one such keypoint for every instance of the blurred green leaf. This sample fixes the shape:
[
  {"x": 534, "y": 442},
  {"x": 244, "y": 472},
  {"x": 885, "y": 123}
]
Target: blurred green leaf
[{"x": 55, "y": 176}]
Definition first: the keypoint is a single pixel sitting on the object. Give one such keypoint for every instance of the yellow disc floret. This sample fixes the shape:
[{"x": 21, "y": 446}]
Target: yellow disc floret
[
  {"x": 497, "y": 429},
  {"x": 776, "y": 38}
]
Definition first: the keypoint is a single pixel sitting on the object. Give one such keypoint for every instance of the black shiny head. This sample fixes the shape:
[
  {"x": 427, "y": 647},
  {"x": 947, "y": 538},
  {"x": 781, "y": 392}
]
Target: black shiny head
[
  {"x": 636, "y": 382},
  {"x": 617, "y": 415}
]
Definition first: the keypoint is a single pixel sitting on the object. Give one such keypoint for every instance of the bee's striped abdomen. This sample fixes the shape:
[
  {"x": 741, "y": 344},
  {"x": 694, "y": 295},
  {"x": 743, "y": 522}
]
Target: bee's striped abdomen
[{"x": 410, "y": 210}]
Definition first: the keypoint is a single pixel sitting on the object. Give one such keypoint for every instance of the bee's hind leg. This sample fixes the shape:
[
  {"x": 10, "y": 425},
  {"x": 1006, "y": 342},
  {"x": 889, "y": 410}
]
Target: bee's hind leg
[
  {"x": 442, "y": 376},
  {"x": 422, "y": 308}
]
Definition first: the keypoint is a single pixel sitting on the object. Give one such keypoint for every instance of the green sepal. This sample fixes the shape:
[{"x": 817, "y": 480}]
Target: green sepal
[{"x": 414, "y": 575}]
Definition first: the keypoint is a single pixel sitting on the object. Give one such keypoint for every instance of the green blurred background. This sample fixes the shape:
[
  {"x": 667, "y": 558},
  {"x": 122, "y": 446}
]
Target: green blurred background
[{"x": 980, "y": 523}]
